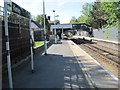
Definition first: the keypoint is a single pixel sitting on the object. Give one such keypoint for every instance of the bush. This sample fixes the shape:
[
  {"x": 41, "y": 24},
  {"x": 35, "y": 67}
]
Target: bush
[
  {"x": 69, "y": 34},
  {"x": 106, "y": 33}
]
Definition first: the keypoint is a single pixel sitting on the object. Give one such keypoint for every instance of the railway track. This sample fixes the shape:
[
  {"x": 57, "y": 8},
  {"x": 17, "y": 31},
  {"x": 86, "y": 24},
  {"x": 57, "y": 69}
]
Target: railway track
[
  {"x": 102, "y": 54},
  {"x": 111, "y": 56},
  {"x": 107, "y": 57}
]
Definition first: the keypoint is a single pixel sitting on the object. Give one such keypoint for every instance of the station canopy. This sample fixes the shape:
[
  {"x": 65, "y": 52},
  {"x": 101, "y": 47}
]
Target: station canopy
[
  {"x": 67, "y": 26},
  {"x": 60, "y": 26}
]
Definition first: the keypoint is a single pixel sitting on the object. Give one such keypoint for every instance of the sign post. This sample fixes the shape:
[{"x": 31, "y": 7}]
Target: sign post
[
  {"x": 62, "y": 33},
  {"x": 7, "y": 45},
  {"x": 31, "y": 49},
  {"x": 55, "y": 36}
]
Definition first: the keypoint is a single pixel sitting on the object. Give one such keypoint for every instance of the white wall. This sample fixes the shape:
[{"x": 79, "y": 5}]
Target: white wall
[{"x": 112, "y": 33}]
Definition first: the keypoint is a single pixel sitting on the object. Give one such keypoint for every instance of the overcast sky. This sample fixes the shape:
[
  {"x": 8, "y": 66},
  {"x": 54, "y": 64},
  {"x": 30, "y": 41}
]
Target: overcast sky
[{"x": 64, "y": 8}]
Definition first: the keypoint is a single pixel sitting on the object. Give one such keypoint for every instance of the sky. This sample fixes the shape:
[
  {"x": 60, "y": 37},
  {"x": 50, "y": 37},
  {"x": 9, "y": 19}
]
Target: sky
[{"x": 66, "y": 9}]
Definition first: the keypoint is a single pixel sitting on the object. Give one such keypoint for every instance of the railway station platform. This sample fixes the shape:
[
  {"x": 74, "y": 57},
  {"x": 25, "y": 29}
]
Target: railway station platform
[{"x": 65, "y": 66}]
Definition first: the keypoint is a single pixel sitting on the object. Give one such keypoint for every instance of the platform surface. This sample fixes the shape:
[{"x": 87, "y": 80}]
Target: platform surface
[{"x": 62, "y": 68}]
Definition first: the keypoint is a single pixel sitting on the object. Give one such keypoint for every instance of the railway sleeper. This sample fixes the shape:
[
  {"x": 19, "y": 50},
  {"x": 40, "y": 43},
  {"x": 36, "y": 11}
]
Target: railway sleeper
[
  {"x": 105, "y": 51},
  {"x": 114, "y": 58}
]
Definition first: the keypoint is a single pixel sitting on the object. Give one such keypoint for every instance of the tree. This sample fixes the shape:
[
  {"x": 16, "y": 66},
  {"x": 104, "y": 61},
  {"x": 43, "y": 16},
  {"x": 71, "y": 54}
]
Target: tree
[
  {"x": 86, "y": 17},
  {"x": 82, "y": 19},
  {"x": 73, "y": 20},
  {"x": 100, "y": 14},
  {"x": 40, "y": 19},
  {"x": 105, "y": 14},
  {"x": 57, "y": 21},
  {"x": 111, "y": 9}
]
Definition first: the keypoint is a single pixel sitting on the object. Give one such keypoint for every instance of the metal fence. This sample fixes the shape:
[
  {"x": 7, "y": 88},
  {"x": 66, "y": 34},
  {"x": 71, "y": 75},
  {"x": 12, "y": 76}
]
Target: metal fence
[{"x": 19, "y": 37}]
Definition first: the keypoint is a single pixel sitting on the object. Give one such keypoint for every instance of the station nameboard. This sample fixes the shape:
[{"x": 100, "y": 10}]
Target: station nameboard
[
  {"x": 17, "y": 9},
  {"x": 60, "y": 26}
]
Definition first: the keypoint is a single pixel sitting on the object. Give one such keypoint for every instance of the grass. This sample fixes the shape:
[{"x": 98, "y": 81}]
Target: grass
[{"x": 39, "y": 43}]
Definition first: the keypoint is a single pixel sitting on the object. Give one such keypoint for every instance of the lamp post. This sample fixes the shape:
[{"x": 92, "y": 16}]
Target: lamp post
[
  {"x": 45, "y": 44},
  {"x": 55, "y": 29},
  {"x": 54, "y": 24},
  {"x": 54, "y": 16}
]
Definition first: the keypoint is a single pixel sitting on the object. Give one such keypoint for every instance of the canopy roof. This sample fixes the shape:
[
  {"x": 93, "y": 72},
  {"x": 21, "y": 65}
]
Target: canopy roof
[{"x": 67, "y": 26}]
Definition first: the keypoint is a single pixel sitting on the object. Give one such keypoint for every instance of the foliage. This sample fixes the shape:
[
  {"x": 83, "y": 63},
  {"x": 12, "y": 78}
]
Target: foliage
[
  {"x": 57, "y": 21},
  {"x": 40, "y": 19},
  {"x": 69, "y": 34},
  {"x": 73, "y": 20},
  {"x": 86, "y": 9},
  {"x": 111, "y": 9},
  {"x": 99, "y": 14},
  {"x": 106, "y": 33},
  {"x": 82, "y": 19},
  {"x": 86, "y": 13}
]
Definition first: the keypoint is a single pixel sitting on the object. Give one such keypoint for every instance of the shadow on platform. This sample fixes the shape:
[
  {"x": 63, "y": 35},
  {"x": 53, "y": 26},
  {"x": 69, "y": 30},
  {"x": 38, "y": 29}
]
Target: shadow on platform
[{"x": 52, "y": 71}]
